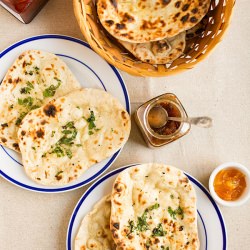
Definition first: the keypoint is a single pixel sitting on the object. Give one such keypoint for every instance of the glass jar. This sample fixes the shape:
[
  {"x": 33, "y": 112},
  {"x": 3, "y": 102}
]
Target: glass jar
[
  {"x": 23, "y": 10},
  {"x": 172, "y": 130}
]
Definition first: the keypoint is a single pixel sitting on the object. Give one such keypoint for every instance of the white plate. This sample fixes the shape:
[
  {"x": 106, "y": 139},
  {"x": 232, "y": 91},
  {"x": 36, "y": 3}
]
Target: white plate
[
  {"x": 211, "y": 226},
  {"x": 91, "y": 71}
]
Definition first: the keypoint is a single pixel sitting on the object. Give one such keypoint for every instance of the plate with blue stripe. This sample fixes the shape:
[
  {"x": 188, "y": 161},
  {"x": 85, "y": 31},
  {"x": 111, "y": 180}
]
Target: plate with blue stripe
[
  {"x": 91, "y": 71},
  {"x": 211, "y": 226}
]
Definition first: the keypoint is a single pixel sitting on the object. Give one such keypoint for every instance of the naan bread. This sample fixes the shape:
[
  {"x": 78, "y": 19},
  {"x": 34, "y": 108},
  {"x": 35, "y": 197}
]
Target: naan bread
[
  {"x": 153, "y": 206},
  {"x": 198, "y": 29},
  {"x": 158, "y": 52},
  {"x": 146, "y": 20},
  {"x": 94, "y": 232},
  {"x": 35, "y": 78},
  {"x": 62, "y": 139}
]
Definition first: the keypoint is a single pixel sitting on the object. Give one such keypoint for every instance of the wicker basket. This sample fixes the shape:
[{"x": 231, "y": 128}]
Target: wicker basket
[{"x": 196, "y": 50}]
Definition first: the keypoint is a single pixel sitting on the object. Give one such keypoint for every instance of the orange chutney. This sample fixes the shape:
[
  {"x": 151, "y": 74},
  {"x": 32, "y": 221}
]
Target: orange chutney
[{"x": 229, "y": 184}]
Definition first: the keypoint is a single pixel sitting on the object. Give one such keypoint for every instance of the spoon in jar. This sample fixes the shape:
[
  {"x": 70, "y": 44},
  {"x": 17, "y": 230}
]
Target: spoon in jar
[{"x": 158, "y": 117}]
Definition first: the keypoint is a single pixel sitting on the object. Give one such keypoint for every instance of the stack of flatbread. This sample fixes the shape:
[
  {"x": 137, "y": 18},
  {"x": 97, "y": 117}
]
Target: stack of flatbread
[
  {"x": 153, "y": 31},
  {"x": 60, "y": 129},
  {"x": 151, "y": 206}
]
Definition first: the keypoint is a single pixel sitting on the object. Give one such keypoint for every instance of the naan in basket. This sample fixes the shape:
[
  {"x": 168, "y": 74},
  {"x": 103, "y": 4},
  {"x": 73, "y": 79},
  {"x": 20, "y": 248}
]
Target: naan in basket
[
  {"x": 141, "y": 21},
  {"x": 64, "y": 138},
  {"x": 153, "y": 206},
  {"x": 35, "y": 78},
  {"x": 158, "y": 52},
  {"x": 94, "y": 232}
]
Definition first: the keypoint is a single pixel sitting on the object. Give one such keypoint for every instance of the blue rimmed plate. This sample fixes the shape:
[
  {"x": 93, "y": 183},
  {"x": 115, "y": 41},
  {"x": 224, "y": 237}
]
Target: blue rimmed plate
[
  {"x": 91, "y": 71},
  {"x": 211, "y": 226}
]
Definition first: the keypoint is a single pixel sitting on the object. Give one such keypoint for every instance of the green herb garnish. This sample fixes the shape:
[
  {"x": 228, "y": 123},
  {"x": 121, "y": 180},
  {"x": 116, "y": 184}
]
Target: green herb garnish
[
  {"x": 178, "y": 211},
  {"x": 20, "y": 118},
  {"x": 26, "y": 102},
  {"x": 142, "y": 224},
  {"x": 164, "y": 248},
  {"x": 26, "y": 90},
  {"x": 155, "y": 206},
  {"x": 158, "y": 231},
  {"x": 131, "y": 226},
  {"x": 51, "y": 90},
  {"x": 91, "y": 123},
  {"x": 61, "y": 148},
  {"x": 58, "y": 151},
  {"x": 36, "y": 69},
  {"x": 69, "y": 153}
]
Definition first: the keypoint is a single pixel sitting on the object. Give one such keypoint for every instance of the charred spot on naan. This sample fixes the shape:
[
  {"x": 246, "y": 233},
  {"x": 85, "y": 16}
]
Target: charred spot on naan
[
  {"x": 50, "y": 110},
  {"x": 16, "y": 146},
  {"x": 40, "y": 133}
]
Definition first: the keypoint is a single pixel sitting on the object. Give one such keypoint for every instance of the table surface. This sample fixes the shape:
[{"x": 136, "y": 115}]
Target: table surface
[{"x": 218, "y": 87}]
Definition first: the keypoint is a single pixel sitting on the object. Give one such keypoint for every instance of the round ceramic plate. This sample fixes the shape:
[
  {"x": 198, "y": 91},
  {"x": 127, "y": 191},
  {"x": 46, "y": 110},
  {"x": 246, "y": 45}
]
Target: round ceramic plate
[
  {"x": 211, "y": 226},
  {"x": 91, "y": 71}
]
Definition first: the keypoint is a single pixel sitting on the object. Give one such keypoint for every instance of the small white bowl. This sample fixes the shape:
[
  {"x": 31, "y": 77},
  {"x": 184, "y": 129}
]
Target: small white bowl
[{"x": 246, "y": 194}]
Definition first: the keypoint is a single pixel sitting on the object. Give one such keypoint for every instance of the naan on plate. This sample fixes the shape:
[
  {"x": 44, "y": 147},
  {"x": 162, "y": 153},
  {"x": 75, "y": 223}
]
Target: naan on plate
[
  {"x": 35, "y": 78},
  {"x": 94, "y": 232},
  {"x": 64, "y": 138},
  {"x": 153, "y": 206}
]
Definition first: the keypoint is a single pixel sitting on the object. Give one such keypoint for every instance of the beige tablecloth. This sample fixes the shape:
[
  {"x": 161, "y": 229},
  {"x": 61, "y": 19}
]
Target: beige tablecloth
[{"x": 218, "y": 87}]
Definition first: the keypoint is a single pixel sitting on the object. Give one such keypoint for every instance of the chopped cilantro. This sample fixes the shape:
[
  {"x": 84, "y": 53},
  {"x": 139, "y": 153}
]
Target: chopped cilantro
[
  {"x": 68, "y": 153},
  {"x": 91, "y": 123},
  {"x": 26, "y": 102},
  {"x": 61, "y": 148},
  {"x": 155, "y": 206},
  {"x": 20, "y": 118},
  {"x": 58, "y": 151},
  {"x": 26, "y": 90},
  {"x": 131, "y": 226},
  {"x": 36, "y": 69},
  {"x": 51, "y": 90},
  {"x": 142, "y": 224},
  {"x": 178, "y": 211},
  {"x": 158, "y": 231},
  {"x": 171, "y": 196}
]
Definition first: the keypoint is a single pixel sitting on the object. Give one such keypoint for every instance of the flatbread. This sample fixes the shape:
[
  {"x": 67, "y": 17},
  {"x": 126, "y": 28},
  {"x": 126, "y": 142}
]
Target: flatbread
[
  {"x": 153, "y": 206},
  {"x": 198, "y": 29},
  {"x": 158, "y": 52},
  {"x": 146, "y": 20},
  {"x": 64, "y": 138},
  {"x": 94, "y": 232},
  {"x": 35, "y": 78}
]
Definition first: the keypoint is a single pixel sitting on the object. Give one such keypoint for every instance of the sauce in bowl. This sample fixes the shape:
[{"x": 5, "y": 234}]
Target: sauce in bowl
[{"x": 229, "y": 184}]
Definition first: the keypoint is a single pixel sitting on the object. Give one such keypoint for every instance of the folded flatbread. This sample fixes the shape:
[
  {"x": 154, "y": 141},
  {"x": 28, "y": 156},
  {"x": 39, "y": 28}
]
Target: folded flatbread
[
  {"x": 141, "y": 21},
  {"x": 64, "y": 138},
  {"x": 94, "y": 232},
  {"x": 153, "y": 206},
  {"x": 35, "y": 78},
  {"x": 158, "y": 52}
]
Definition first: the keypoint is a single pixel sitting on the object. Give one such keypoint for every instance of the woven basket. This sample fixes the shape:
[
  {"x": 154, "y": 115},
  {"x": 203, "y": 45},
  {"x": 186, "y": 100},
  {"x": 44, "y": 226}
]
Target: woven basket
[{"x": 196, "y": 50}]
